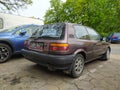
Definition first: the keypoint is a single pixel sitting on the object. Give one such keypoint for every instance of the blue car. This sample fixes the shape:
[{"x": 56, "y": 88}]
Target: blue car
[
  {"x": 113, "y": 38},
  {"x": 12, "y": 40}
]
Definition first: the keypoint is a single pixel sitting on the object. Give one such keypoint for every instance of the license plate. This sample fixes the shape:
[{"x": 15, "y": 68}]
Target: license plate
[{"x": 36, "y": 46}]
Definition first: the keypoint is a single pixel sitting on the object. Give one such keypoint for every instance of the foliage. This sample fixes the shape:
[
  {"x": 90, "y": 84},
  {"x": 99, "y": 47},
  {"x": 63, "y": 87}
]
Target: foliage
[
  {"x": 13, "y": 5},
  {"x": 102, "y": 15},
  {"x": 53, "y": 14}
]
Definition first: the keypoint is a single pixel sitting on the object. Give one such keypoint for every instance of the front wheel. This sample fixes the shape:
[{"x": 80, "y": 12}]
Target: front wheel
[
  {"x": 106, "y": 55},
  {"x": 110, "y": 41},
  {"x": 77, "y": 66},
  {"x": 5, "y": 52}
]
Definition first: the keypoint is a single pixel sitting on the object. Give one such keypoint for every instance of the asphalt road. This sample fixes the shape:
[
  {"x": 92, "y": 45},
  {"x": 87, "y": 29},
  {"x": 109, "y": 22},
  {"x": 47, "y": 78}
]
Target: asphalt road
[{"x": 21, "y": 74}]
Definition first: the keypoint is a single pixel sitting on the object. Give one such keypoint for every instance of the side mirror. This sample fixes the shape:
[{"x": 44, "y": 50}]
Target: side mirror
[{"x": 22, "y": 32}]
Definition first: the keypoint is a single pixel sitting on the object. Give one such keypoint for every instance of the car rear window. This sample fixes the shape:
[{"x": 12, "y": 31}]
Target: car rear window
[
  {"x": 117, "y": 34},
  {"x": 50, "y": 31}
]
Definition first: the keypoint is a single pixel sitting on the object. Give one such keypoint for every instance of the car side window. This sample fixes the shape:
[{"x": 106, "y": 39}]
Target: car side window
[
  {"x": 29, "y": 30},
  {"x": 81, "y": 32},
  {"x": 93, "y": 34},
  {"x": 18, "y": 32}
]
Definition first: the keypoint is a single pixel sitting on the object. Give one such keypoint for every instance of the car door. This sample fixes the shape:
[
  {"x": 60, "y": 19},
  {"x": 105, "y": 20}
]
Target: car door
[
  {"x": 98, "y": 46},
  {"x": 21, "y": 38},
  {"x": 83, "y": 41}
]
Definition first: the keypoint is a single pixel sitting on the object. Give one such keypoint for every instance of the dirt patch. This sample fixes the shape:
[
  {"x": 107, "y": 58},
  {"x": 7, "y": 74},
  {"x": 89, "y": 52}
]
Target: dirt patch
[
  {"x": 12, "y": 80},
  {"x": 15, "y": 80}
]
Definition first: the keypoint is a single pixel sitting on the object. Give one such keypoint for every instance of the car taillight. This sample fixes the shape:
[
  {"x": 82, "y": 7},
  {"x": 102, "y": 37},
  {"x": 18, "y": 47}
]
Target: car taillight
[
  {"x": 26, "y": 43},
  {"x": 59, "y": 47},
  {"x": 114, "y": 37}
]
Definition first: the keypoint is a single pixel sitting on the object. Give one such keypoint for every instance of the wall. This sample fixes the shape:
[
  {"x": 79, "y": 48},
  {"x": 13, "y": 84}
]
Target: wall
[{"x": 14, "y": 20}]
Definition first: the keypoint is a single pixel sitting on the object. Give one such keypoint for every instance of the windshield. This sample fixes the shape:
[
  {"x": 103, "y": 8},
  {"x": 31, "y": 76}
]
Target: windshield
[
  {"x": 8, "y": 30},
  {"x": 50, "y": 31}
]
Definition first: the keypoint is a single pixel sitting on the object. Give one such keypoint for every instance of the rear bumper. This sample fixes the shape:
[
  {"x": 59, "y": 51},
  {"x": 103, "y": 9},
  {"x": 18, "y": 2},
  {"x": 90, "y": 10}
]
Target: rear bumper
[
  {"x": 53, "y": 61},
  {"x": 115, "y": 41}
]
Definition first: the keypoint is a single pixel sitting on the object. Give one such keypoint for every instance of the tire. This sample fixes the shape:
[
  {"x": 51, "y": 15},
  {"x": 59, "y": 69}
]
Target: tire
[
  {"x": 77, "y": 66},
  {"x": 106, "y": 55},
  {"x": 5, "y": 52},
  {"x": 110, "y": 41}
]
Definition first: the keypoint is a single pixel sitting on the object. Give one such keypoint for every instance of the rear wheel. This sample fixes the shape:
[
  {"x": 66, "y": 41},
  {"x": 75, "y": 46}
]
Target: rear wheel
[
  {"x": 5, "y": 53},
  {"x": 78, "y": 66}
]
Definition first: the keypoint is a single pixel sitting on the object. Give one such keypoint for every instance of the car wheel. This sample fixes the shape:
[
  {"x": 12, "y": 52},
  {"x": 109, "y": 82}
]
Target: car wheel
[
  {"x": 77, "y": 66},
  {"x": 109, "y": 41},
  {"x": 106, "y": 56},
  {"x": 5, "y": 53}
]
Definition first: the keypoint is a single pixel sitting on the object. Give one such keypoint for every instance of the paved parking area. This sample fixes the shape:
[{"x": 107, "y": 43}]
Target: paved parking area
[{"x": 20, "y": 74}]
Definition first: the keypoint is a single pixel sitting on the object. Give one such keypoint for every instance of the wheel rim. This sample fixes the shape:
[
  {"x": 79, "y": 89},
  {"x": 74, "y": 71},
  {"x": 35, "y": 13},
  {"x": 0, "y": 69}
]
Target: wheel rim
[
  {"x": 4, "y": 53},
  {"x": 79, "y": 65},
  {"x": 108, "y": 54}
]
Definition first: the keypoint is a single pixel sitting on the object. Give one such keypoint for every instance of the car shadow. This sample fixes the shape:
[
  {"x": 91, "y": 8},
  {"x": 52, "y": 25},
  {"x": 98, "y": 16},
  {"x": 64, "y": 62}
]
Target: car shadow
[
  {"x": 35, "y": 68},
  {"x": 45, "y": 70},
  {"x": 16, "y": 57}
]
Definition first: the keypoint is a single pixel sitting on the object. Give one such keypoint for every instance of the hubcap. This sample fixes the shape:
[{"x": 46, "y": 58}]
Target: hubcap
[
  {"x": 79, "y": 64},
  {"x": 4, "y": 53}
]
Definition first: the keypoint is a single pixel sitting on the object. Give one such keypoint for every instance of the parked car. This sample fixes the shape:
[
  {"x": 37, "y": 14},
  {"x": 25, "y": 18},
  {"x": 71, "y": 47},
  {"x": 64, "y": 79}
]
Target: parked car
[
  {"x": 65, "y": 46},
  {"x": 12, "y": 40},
  {"x": 113, "y": 37}
]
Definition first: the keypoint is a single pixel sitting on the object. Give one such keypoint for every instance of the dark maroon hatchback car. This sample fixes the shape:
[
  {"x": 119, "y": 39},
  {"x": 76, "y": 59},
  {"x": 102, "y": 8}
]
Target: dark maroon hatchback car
[{"x": 65, "y": 46}]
